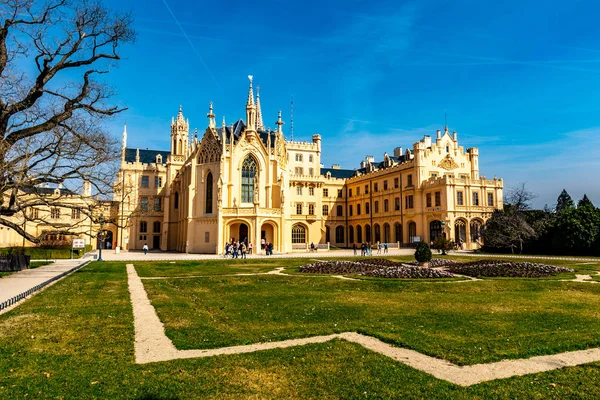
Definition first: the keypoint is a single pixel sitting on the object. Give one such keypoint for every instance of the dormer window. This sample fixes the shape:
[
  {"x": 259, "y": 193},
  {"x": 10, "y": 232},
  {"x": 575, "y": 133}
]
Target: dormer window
[
  {"x": 447, "y": 149},
  {"x": 159, "y": 158}
]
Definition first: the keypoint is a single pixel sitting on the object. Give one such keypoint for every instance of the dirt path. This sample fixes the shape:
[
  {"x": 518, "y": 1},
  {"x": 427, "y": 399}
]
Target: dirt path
[{"x": 152, "y": 345}]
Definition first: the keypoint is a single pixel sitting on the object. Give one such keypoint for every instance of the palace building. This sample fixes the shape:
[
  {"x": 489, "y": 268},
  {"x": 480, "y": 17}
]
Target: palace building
[{"x": 247, "y": 182}]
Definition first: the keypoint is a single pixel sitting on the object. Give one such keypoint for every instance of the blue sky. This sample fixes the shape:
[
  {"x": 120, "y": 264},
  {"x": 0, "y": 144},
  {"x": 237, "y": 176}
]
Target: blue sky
[{"x": 519, "y": 80}]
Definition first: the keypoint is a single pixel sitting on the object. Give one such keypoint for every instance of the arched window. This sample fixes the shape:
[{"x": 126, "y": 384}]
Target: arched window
[
  {"x": 249, "y": 174},
  {"x": 368, "y": 233},
  {"x": 298, "y": 234},
  {"x": 460, "y": 231},
  {"x": 398, "y": 229},
  {"x": 386, "y": 233},
  {"x": 176, "y": 201},
  {"x": 377, "y": 230},
  {"x": 143, "y": 227},
  {"x": 339, "y": 234},
  {"x": 412, "y": 232},
  {"x": 359, "y": 234},
  {"x": 475, "y": 230},
  {"x": 435, "y": 230},
  {"x": 351, "y": 234},
  {"x": 209, "y": 193},
  {"x": 156, "y": 227}
]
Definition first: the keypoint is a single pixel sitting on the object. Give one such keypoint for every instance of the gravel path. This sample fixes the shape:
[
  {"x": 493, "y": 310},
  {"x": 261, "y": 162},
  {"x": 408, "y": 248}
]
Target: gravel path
[{"x": 152, "y": 345}]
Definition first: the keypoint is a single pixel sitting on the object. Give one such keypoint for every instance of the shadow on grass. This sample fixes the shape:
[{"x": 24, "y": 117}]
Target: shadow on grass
[{"x": 153, "y": 396}]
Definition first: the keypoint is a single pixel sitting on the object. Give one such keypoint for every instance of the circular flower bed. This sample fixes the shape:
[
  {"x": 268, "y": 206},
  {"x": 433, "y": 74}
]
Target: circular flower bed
[
  {"x": 435, "y": 262},
  {"x": 338, "y": 267},
  {"x": 408, "y": 272},
  {"x": 499, "y": 268}
]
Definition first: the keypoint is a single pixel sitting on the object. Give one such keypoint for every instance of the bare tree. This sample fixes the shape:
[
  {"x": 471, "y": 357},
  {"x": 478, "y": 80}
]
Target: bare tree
[{"x": 53, "y": 103}]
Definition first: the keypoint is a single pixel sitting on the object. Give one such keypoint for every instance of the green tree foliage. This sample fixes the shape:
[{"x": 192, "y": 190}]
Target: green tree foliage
[
  {"x": 577, "y": 230},
  {"x": 564, "y": 202},
  {"x": 423, "y": 252},
  {"x": 585, "y": 202}
]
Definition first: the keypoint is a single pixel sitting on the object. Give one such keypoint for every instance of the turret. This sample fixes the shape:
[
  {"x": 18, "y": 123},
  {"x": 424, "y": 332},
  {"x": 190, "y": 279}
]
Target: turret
[
  {"x": 250, "y": 112},
  {"x": 124, "y": 142},
  {"x": 211, "y": 116},
  {"x": 279, "y": 123},
  {"x": 179, "y": 134},
  {"x": 259, "y": 119}
]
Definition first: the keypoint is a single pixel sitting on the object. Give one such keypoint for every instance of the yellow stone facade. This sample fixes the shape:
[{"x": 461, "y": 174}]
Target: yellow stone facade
[{"x": 246, "y": 182}]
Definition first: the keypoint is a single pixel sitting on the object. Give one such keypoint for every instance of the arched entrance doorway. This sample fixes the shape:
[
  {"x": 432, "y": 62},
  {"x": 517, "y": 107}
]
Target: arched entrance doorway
[
  {"x": 107, "y": 240},
  {"x": 268, "y": 233},
  {"x": 435, "y": 230},
  {"x": 238, "y": 231}
]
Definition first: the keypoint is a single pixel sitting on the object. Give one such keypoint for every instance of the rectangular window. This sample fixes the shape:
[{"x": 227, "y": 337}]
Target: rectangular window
[
  {"x": 156, "y": 227},
  {"x": 491, "y": 199},
  {"x": 299, "y": 190},
  {"x": 325, "y": 192},
  {"x": 409, "y": 202},
  {"x": 144, "y": 203},
  {"x": 75, "y": 213},
  {"x": 367, "y": 208},
  {"x": 396, "y": 183},
  {"x": 299, "y": 171},
  {"x": 340, "y": 192},
  {"x": 34, "y": 213},
  {"x": 157, "y": 204},
  {"x": 358, "y": 191},
  {"x": 157, "y": 181},
  {"x": 385, "y": 187},
  {"x": 145, "y": 181},
  {"x": 434, "y": 174},
  {"x": 366, "y": 189},
  {"x": 299, "y": 209},
  {"x": 358, "y": 209},
  {"x": 298, "y": 157},
  {"x": 459, "y": 198},
  {"x": 409, "y": 181},
  {"x": 397, "y": 204},
  {"x": 475, "y": 199},
  {"x": 350, "y": 210},
  {"x": 349, "y": 192},
  {"x": 55, "y": 213},
  {"x": 311, "y": 191},
  {"x": 311, "y": 209},
  {"x": 428, "y": 200},
  {"x": 438, "y": 199},
  {"x": 376, "y": 187},
  {"x": 311, "y": 171},
  {"x": 325, "y": 210},
  {"x": 376, "y": 207},
  {"x": 340, "y": 211},
  {"x": 386, "y": 205},
  {"x": 143, "y": 227},
  {"x": 206, "y": 237}
]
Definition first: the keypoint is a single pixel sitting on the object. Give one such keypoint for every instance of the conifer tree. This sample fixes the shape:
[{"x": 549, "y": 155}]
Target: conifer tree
[{"x": 564, "y": 202}]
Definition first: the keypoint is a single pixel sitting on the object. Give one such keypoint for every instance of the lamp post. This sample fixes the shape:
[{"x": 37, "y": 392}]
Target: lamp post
[
  {"x": 443, "y": 223},
  {"x": 101, "y": 222}
]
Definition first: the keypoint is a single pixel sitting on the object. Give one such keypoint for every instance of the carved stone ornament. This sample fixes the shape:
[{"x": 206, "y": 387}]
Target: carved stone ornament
[{"x": 448, "y": 163}]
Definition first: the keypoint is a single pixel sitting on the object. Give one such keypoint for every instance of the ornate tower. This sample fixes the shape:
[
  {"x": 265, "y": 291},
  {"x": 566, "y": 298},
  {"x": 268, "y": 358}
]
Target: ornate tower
[
  {"x": 259, "y": 119},
  {"x": 179, "y": 134}
]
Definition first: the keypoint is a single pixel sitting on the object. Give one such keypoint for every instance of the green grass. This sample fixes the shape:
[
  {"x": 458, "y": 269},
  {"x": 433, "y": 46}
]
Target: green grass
[{"x": 74, "y": 340}]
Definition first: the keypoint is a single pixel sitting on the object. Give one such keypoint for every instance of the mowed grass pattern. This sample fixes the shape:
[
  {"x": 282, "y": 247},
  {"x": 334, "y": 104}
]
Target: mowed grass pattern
[{"x": 74, "y": 340}]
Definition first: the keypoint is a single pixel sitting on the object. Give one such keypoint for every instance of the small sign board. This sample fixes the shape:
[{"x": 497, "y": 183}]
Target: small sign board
[
  {"x": 79, "y": 243},
  {"x": 417, "y": 239}
]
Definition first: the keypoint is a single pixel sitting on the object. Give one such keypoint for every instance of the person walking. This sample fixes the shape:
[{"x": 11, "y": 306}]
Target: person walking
[
  {"x": 243, "y": 249},
  {"x": 236, "y": 249},
  {"x": 145, "y": 248},
  {"x": 250, "y": 248},
  {"x": 385, "y": 248},
  {"x": 378, "y": 247},
  {"x": 354, "y": 248}
]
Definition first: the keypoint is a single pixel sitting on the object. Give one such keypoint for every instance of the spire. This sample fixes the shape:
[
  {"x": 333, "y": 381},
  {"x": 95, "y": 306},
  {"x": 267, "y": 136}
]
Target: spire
[
  {"x": 269, "y": 141},
  {"x": 137, "y": 155},
  {"x": 445, "y": 122},
  {"x": 124, "y": 142},
  {"x": 259, "y": 120},
  {"x": 223, "y": 137},
  {"x": 250, "y": 101},
  {"x": 211, "y": 116},
  {"x": 279, "y": 122},
  {"x": 180, "y": 115}
]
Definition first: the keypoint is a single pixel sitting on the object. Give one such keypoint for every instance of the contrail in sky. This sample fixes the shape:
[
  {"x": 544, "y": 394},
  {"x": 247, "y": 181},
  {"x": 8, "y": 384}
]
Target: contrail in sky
[{"x": 190, "y": 42}]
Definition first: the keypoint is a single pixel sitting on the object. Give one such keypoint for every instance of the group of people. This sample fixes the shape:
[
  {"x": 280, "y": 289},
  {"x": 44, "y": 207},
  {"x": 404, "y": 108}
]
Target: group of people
[
  {"x": 237, "y": 249},
  {"x": 367, "y": 250},
  {"x": 267, "y": 247}
]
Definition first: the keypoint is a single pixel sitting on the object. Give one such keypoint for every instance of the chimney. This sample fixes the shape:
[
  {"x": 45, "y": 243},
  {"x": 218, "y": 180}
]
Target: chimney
[
  {"x": 398, "y": 152},
  {"x": 335, "y": 166},
  {"x": 370, "y": 159},
  {"x": 427, "y": 141}
]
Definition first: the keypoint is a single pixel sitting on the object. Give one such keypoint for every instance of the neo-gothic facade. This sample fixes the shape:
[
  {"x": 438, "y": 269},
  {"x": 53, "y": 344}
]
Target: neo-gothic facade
[{"x": 247, "y": 182}]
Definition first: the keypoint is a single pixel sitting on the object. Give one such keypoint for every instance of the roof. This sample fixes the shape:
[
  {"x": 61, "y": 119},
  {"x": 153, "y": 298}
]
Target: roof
[
  {"x": 338, "y": 173},
  {"x": 146, "y": 156},
  {"x": 46, "y": 190},
  {"x": 238, "y": 127}
]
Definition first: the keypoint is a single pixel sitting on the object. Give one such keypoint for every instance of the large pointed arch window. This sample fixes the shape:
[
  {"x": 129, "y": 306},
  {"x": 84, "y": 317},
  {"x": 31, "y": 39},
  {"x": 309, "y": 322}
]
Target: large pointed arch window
[
  {"x": 249, "y": 173},
  {"x": 209, "y": 193}
]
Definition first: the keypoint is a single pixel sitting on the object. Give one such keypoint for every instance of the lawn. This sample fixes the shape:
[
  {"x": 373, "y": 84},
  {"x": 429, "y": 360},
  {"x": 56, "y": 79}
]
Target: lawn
[{"x": 75, "y": 339}]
